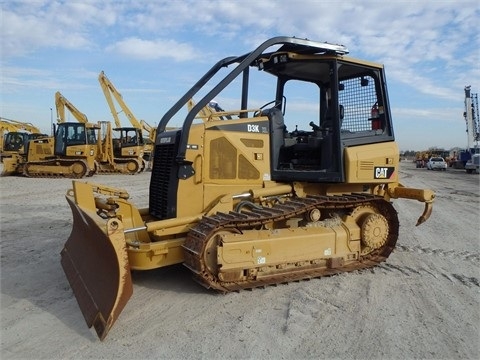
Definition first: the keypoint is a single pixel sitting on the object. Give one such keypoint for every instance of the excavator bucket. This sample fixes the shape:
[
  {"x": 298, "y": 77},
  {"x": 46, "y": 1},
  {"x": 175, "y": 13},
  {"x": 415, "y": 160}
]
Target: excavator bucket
[{"x": 95, "y": 261}]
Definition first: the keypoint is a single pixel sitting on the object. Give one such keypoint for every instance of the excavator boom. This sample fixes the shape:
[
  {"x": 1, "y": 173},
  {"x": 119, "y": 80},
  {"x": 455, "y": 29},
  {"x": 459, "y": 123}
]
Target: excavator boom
[
  {"x": 15, "y": 125},
  {"x": 61, "y": 103},
  {"x": 112, "y": 93}
]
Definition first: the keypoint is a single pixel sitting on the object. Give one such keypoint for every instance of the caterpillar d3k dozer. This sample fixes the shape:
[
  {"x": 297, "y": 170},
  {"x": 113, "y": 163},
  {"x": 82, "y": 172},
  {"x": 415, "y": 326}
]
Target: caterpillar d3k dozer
[{"x": 298, "y": 188}]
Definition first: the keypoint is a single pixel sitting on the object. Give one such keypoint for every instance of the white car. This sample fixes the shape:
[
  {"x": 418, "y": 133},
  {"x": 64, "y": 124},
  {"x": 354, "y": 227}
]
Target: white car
[{"x": 436, "y": 163}]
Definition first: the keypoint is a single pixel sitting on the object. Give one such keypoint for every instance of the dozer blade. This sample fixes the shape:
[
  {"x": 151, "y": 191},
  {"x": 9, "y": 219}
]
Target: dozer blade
[
  {"x": 9, "y": 166},
  {"x": 96, "y": 265}
]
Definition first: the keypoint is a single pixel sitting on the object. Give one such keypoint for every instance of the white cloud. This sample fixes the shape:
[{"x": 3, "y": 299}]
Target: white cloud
[
  {"x": 152, "y": 49},
  {"x": 24, "y": 34}
]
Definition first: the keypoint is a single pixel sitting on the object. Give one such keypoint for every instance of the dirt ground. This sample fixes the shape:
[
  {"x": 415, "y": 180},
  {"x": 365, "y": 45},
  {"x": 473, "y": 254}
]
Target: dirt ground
[{"x": 423, "y": 303}]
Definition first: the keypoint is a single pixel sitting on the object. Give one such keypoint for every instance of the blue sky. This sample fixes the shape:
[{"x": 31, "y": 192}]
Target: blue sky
[{"x": 153, "y": 51}]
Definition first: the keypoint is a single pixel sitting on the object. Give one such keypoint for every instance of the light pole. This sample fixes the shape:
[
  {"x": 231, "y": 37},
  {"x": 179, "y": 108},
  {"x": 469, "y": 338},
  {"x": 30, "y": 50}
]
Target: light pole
[{"x": 51, "y": 121}]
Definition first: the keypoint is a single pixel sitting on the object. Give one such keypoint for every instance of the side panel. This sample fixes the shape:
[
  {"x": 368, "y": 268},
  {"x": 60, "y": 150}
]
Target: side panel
[
  {"x": 171, "y": 196},
  {"x": 373, "y": 163},
  {"x": 39, "y": 149},
  {"x": 236, "y": 156},
  {"x": 190, "y": 190}
]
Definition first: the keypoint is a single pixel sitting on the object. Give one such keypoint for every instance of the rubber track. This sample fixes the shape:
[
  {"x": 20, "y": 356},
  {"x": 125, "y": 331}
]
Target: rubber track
[{"x": 200, "y": 234}]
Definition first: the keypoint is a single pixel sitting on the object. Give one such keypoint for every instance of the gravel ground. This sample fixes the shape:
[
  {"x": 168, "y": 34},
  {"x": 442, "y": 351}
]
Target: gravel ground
[{"x": 423, "y": 303}]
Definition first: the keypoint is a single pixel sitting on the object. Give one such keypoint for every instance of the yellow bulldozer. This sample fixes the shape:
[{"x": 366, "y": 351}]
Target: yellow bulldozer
[
  {"x": 70, "y": 153},
  {"x": 298, "y": 188},
  {"x": 14, "y": 140}
]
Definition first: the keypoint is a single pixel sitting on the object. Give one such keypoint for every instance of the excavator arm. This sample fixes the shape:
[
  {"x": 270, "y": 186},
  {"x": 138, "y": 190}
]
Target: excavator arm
[
  {"x": 110, "y": 93},
  {"x": 14, "y": 125},
  {"x": 61, "y": 103}
]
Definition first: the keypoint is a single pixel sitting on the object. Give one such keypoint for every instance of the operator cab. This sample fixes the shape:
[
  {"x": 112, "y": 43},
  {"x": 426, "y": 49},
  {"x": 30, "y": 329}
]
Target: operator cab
[
  {"x": 127, "y": 137},
  {"x": 15, "y": 140},
  {"x": 73, "y": 134},
  {"x": 347, "y": 106},
  {"x": 320, "y": 102}
]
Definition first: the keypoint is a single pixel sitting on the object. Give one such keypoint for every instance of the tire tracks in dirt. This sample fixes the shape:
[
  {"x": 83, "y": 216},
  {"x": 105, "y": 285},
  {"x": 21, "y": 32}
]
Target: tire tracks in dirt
[{"x": 469, "y": 281}]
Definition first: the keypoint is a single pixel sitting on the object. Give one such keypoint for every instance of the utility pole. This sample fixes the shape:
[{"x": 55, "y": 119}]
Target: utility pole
[{"x": 51, "y": 121}]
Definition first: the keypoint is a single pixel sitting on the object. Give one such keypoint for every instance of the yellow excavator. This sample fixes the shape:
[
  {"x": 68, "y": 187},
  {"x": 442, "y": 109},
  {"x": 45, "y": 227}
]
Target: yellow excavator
[
  {"x": 14, "y": 140},
  {"x": 130, "y": 142},
  {"x": 298, "y": 188}
]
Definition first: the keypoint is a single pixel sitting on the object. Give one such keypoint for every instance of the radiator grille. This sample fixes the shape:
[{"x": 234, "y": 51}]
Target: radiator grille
[{"x": 164, "y": 181}]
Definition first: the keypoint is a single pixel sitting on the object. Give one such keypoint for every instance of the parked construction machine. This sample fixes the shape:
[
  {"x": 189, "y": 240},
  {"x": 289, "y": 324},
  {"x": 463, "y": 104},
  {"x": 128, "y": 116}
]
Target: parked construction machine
[
  {"x": 14, "y": 140},
  {"x": 149, "y": 142},
  {"x": 471, "y": 157},
  {"x": 112, "y": 156},
  {"x": 129, "y": 142},
  {"x": 298, "y": 188},
  {"x": 15, "y": 135},
  {"x": 111, "y": 153},
  {"x": 70, "y": 153}
]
